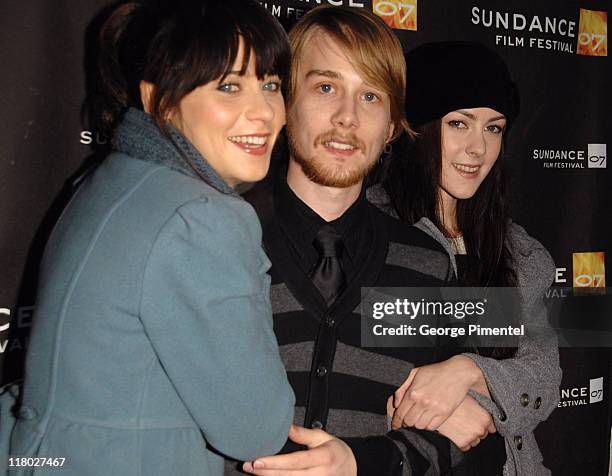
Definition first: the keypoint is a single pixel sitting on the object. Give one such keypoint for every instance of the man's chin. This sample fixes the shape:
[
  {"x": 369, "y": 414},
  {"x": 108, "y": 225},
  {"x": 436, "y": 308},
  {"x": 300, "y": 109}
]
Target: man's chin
[
  {"x": 333, "y": 178},
  {"x": 340, "y": 175}
]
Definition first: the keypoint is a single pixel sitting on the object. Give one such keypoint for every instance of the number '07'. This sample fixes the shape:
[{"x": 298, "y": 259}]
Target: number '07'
[
  {"x": 393, "y": 9},
  {"x": 587, "y": 38},
  {"x": 586, "y": 280}
]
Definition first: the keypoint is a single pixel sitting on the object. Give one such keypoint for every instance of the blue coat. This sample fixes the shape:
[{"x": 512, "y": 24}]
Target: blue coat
[{"x": 152, "y": 347}]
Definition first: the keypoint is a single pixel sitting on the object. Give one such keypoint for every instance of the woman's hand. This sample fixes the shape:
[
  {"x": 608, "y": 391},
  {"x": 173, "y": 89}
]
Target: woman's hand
[
  {"x": 433, "y": 392},
  {"x": 468, "y": 425}
]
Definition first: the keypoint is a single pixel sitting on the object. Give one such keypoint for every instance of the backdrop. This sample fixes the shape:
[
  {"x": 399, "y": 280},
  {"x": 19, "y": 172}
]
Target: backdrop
[{"x": 556, "y": 50}]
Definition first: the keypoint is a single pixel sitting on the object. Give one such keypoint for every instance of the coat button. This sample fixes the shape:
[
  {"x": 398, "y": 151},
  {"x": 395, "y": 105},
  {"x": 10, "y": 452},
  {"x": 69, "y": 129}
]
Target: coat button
[
  {"x": 518, "y": 441},
  {"x": 524, "y": 399},
  {"x": 27, "y": 413},
  {"x": 316, "y": 425},
  {"x": 321, "y": 371},
  {"x": 330, "y": 321},
  {"x": 538, "y": 403},
  {"x": 502, "y": 415}
]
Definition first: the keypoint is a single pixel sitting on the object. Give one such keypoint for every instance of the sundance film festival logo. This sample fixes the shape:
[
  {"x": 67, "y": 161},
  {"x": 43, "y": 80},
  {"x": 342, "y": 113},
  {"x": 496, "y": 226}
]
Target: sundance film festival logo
[
  {"x": 5, "y": 324},
  {"x": 521, "y": 30},
  {"x": 23, "y": 320},
  {"x": 577, "y": 396},
  {"x": 588, "y": 272},
  {"x": 5, "y": 319},
  {"x": 285, "y": 12},
  {"x": 597, "y": 156},
  {"x": 594, "y": 157},
  {"x": 92, "y": 137},
  {"x": 397, "y": 14},
  {"x": 593, "y": 33}
]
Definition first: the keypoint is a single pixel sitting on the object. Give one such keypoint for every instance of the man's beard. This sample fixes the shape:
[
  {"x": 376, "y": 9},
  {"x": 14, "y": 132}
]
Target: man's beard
[{"x": 336, "y": 176}]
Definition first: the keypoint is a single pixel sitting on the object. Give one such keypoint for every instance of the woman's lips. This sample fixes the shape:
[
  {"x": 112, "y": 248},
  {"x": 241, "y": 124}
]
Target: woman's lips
[
  {"x": 468, "y": 171},
  {"x": 254, "y": 144}
]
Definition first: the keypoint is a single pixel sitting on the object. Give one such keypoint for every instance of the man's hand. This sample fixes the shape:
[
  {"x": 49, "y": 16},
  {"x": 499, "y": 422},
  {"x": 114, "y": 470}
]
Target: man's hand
[
  {"x": 431, "y": 393},
  {"x": 326, "y": 456},
  {"x": 468, "y": 425}
]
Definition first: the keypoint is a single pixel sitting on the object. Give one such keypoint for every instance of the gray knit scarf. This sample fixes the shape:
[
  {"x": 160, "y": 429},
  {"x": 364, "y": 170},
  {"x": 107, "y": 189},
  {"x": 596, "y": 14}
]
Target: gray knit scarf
[{"x": 138, "y": 136}]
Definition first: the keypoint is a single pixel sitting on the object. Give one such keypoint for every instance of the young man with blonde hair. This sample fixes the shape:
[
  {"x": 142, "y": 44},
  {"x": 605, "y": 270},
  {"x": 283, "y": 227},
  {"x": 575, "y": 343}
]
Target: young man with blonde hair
[{"x": 345, "y": 103}]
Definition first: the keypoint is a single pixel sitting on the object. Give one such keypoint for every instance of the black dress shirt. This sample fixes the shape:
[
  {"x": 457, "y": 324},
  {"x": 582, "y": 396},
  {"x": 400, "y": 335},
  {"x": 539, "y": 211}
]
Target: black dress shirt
[{"x": 301, "y": 223}]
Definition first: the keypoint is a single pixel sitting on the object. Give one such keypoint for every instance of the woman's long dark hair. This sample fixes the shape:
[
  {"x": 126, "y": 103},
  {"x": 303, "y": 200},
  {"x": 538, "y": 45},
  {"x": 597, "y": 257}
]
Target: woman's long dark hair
[
  {"x": 412, "y": 181},
  {"x": 179, "y": 45}
]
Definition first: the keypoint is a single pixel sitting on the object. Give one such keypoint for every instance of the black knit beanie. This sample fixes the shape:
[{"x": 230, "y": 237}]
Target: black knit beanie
[{"x": 446, "y": 76}]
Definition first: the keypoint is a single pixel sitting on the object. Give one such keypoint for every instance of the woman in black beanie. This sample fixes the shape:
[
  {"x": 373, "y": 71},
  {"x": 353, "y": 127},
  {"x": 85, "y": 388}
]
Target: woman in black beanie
[{"x": 449, "y": 181}]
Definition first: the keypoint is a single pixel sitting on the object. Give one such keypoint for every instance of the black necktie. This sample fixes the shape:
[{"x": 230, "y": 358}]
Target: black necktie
[{"x": 327, "y": 274}]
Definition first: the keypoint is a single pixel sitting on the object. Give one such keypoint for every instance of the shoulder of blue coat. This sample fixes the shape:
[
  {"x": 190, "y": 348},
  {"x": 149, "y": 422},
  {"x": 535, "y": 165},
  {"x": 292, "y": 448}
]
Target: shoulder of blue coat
[
  {"x": 188, "y": 195},
  {"x": 213, "y": 223},
  {"x": 221, "y": 208},
  {"x": 168, "y": 198}
]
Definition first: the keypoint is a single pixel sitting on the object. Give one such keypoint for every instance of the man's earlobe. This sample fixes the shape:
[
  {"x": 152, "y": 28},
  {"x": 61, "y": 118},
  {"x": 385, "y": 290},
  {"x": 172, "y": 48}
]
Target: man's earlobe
[
  {"x": 146, "y": 90},
  {"x": 391, "y": 131}
]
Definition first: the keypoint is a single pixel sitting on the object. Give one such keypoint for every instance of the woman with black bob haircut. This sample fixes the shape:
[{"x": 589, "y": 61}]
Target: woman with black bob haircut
[
  {"x": 449, "y": 181},
  {"x": 152, "y": 350}
]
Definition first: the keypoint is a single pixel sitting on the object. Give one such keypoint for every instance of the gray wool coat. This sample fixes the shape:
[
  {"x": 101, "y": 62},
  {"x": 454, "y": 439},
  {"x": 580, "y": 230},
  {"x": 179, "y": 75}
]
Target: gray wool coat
[
  {"x": 152, "y": 349},
  {"x": 525, "y": 388}
]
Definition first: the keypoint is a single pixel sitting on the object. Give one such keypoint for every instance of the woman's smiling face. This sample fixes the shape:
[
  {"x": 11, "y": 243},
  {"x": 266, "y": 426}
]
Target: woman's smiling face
[
  {"x": 471, "y": 143},
  {"x": 233, "y": 122}
]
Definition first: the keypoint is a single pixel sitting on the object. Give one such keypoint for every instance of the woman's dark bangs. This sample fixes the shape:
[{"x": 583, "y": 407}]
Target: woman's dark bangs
[
  {"x": 205, "y": 46},
  {"x": 264, "y": 37},
  {"x": 272, "y": 54},
  {"x": 231, "y": 38},
  {"x": 219, "y": 32}
]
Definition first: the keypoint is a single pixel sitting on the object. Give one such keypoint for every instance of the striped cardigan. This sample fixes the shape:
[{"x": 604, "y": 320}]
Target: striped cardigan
[{"x": 340, "y": 386}]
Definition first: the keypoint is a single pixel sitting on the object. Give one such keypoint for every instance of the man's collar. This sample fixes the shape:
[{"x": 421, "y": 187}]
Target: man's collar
[{"x": 301, "y": 223}]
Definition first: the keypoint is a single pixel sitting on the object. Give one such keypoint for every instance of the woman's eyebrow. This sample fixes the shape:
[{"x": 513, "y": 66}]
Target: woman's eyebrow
[{"x": 473, "y": 117}]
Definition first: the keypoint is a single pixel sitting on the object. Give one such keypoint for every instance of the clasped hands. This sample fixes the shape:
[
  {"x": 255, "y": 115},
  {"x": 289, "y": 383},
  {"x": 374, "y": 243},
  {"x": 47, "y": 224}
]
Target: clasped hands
[{"x": 435, "y": 397}]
